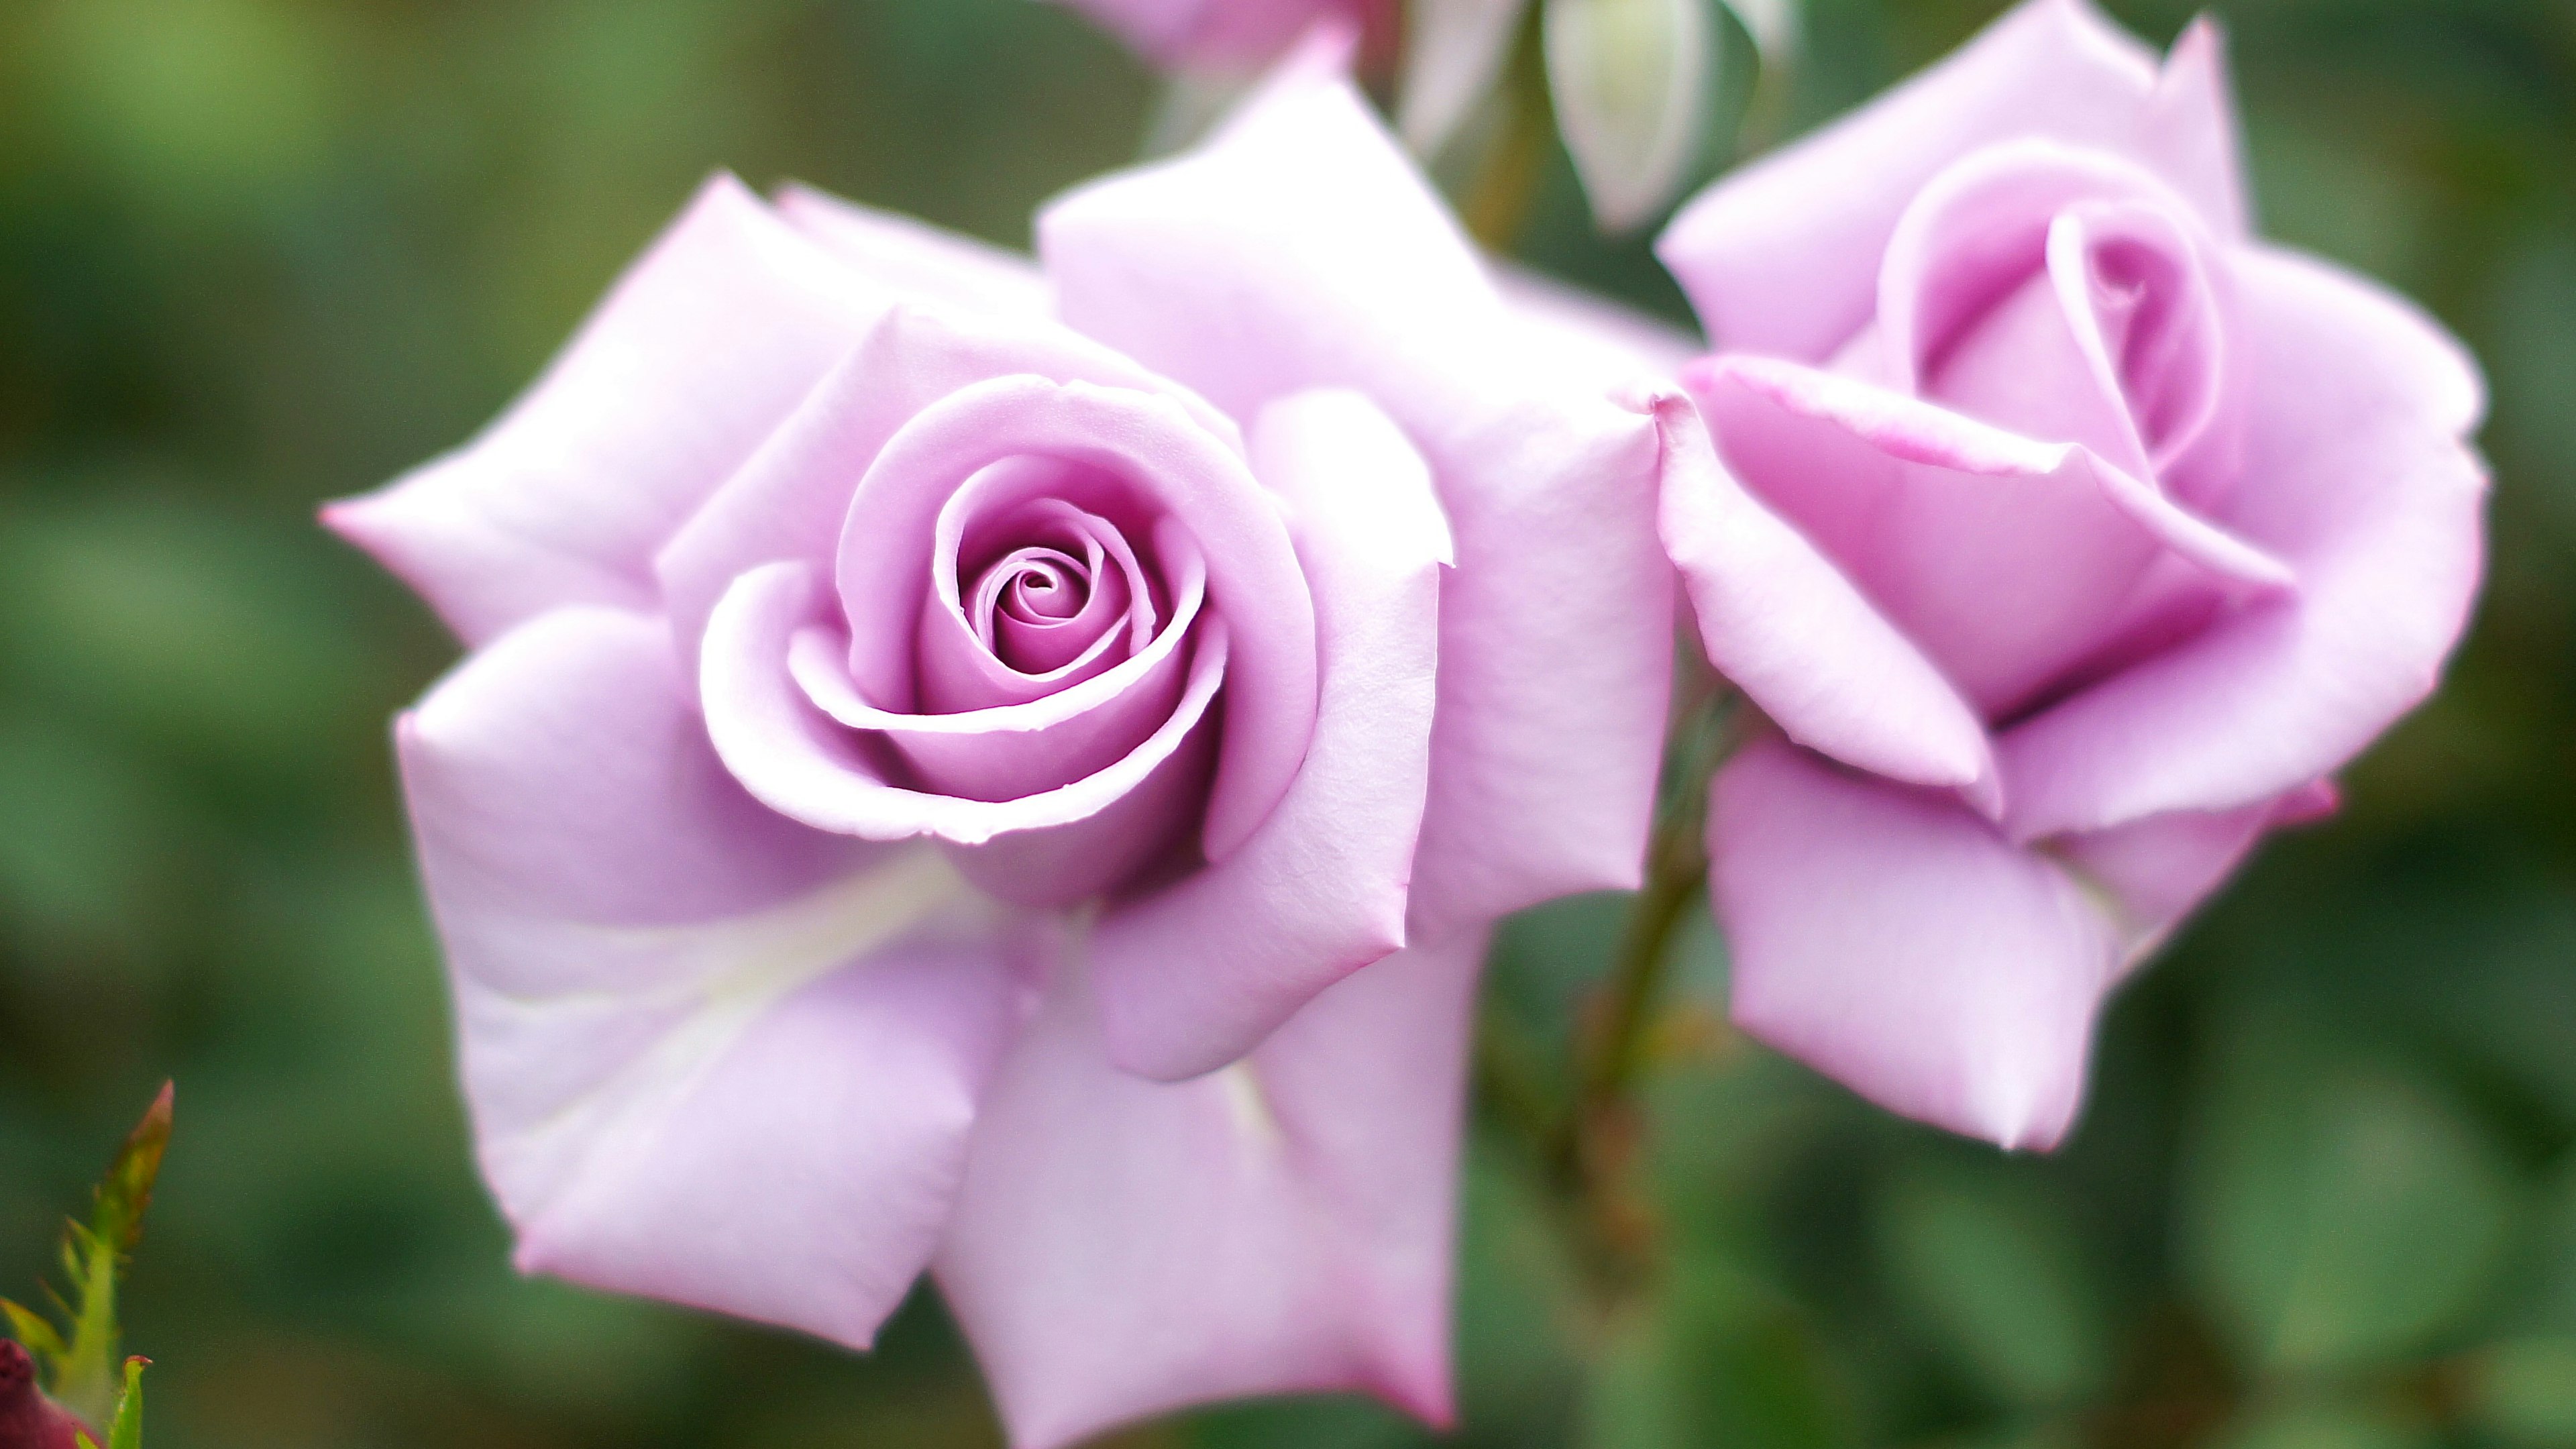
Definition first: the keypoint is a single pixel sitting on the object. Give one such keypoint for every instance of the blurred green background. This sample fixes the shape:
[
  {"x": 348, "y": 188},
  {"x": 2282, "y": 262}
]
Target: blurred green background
[{"x": 256, "y": 253}]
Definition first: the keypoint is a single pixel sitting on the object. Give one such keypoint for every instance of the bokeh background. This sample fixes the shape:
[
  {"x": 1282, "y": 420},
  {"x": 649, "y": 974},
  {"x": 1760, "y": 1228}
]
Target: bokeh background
[{"x": 257, "y": 253}]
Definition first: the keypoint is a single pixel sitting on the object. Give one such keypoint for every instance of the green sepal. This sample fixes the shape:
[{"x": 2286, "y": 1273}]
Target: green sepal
[
  {"x": 127, "y": 1431},
  {"x": 82, "y": 1363}
]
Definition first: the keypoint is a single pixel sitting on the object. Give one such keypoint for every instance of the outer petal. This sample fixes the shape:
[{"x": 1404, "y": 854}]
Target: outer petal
[
  {"x": 917, "y": 259},
  {"x": 2160, "y": 869},
  {"x": 1781, "y": 257},
  {"x": 1124, "y": 1247},
  {"x": 1598, "y": 342},
  {"x": 1298, "y": 249},
  {"x": 704, "y": 346},
  {"x": 1193, "y": 977},
  {"x": 1781, "y": 622},
  {"x": 1899, "y": 944},
  {"x": 2358, "y": 476},
  {"x": 712, "y": 1056},
  {"x": 2006, "y": 560}
]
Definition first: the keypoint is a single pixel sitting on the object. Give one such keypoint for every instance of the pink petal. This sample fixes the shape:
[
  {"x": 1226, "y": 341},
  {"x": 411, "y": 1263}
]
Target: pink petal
[
  {"x": 1991, "y": 301},
  {"x": 790, "y": 501},
  {"x": 712, "y": 1056},
  {"x": 2159, "y": 870},
  {"x": 705, "y": 345},
  {"x": 1124, "y": 1247},
  {"x": 1299, "y": 249},
  {"x": 1072, "y": 840},
  {"x": 1781, "y": 257},
  {"x": 918, "y": 260},
  {"x": 1196, "y": 975},
  {"x": 1007, "y": 751},
  {"x": 1895, "y": 941},
  {"x": 1598, "y": 341},
  {"x": 1189, "y": 474},
  {"x": 1781, "y": 622},
  {"x": 2358, "y": 476},
  {"x": 2006, "y": 560}
]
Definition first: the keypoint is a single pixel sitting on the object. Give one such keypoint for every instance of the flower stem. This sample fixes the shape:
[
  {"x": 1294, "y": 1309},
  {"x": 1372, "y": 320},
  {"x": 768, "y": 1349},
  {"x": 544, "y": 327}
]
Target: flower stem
[
  {"x": 1497, "y": 204},
  {"x": 1596, "y": 1147}
]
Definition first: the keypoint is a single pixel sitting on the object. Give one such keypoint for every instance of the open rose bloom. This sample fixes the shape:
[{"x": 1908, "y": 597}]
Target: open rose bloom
[
  {"x": 1007, "y": 769},
  {"x": 2072, "y": 536}
]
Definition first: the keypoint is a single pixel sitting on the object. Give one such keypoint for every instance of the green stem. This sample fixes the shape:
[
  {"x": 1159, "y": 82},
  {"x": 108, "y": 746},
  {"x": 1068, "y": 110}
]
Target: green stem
[
  {"x": 1498, "y": 203},
  {"x": 1596, "y": 1146}
]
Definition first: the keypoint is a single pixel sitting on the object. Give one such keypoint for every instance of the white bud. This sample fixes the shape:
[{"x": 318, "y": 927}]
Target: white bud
[
  {"x": 1453, "y": 50},
  {"x": 1630, "y": 81}
]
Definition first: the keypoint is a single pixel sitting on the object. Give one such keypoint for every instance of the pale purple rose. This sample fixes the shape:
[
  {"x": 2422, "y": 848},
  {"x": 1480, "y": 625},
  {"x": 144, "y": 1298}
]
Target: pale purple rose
[
  {"x": 2072, "y": 536},
  {"x": 1007, "y": 769},
  {"x": 1227, "y": 33}
]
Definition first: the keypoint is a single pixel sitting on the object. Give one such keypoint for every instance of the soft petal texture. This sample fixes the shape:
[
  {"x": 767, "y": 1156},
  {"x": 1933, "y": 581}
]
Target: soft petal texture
[
  {"x": 1124, "y": 1247},
  {"x": 705, "y": 345},
  {"x": 1191, "y": 977},
  {"x": 1902, "y": 945},
  {"x": 1190, "y": 473},
  {"x": 791, "y": 500},
  {"x": 2158, "y": 870},
  {"x": 1787, "y": 628},
  {"x": 1782, "y": 257},
  {"x": 917, "y": 259},
  {"x": 1893, "y": 940},
  {"x": 801, "y": 762},
  {"x": 1297, "y": 249},
  {"x": 1596, "y": 342},
  {"x": 2368, "y": 489},
  {"x": 670, "y": 998},
  {"x": 2007, "y": 561}
]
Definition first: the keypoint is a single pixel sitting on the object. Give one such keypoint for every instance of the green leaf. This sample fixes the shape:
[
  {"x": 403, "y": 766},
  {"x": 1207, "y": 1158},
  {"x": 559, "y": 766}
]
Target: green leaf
[
  {"x": 32, "y": 1329},
  {"x": 83, "y": 1363},
  {"x": 1998, "y": 1277},
  {"x": 118, "y": 1205},
  {"x": 2339, "y": 1217}
]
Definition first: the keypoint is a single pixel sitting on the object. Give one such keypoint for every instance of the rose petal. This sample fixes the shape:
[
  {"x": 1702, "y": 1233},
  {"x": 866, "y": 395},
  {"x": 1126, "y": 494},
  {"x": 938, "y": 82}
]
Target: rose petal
[
  {"x": 805, "y": 765},
  {"x": 1781, "y": 256},
  {"x": 956, "y": 666},
  {"x": 916, "y": 259},
  {"x": 1191, "y": 475},
  {"x": 791, "y": 499},
  {"x": 1298, "y": 249},
  {"x": 1191, "y": 978},
  {"x": 1600, "y": 343},
  {"x": 712, "y": 1056},
  {"x": 2369, "y": 490},
  {"x": 2006, "y": 560},
  {"x": 1781, "y": 622},
  {"x": 1989, "y": 302},
  {"x": 1009, "y": 751},
  {"x": 1894, "y": 941},
  {"x": 1124, "y": 1247},
  {"x": 2159, "y": 870},
  {"x": 709, "y": 340}
]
